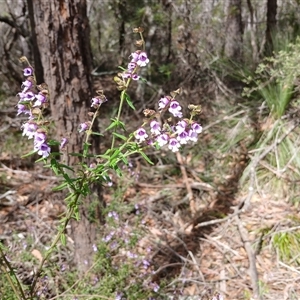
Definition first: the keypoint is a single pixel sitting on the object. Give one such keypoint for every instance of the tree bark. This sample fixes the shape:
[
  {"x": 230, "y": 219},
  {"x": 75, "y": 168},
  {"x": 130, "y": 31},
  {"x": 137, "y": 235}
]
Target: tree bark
[
  {"x": 38, "y": 68},
  {"x": 234, "y": 30},
  {"x": 271, "y": 25},
  {"x": 63, "y": 38}
]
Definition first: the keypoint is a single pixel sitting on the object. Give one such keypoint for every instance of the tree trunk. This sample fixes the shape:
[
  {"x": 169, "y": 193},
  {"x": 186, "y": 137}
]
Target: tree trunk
[
  {"x": 38, "y": 68},
  {"x": 271, "y": 25},
  {"x": 63, "y": 37},
  {"x": 234, "y": 30}
]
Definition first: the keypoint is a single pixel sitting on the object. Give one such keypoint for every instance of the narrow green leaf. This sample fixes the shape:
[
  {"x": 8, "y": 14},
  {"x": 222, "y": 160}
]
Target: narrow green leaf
[
  {"x": 113, "y": 124},
  {"x": 146, "y": 157},
  {"x": 122, "y": 137},
  {"x": 60, "y": 187},
  {"x": 97, "y": 133},
  {"x": 63, "y": 239},
  {"x": 29, "y": 153},
  {"x": 128, "y": 100}
]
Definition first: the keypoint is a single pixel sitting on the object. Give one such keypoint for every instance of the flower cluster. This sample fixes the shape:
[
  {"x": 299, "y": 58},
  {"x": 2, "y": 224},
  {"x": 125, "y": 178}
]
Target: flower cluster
[
  {"x": 182, "y": 132},
  {"x": 96, "y": 103},
  {"x": 138, "y": 59},
  {"x": 31, "y": 104}
]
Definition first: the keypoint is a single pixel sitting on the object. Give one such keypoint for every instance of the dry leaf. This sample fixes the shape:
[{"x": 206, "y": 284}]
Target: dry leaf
[{"x": 37, "y": 254}]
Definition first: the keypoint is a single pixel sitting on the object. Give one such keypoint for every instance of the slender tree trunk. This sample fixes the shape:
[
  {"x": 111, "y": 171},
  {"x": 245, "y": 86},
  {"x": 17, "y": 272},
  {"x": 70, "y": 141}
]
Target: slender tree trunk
[
  {"x": 253, "y": 32},
  {"x": 234, "y": 30},
  {"x": 271, "y": 25},
  {"x": 63, "y": 33},
  {"x": 38, "y": 68}
]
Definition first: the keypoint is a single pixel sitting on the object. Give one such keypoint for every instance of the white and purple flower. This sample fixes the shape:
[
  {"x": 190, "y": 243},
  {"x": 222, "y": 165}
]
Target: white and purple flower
[
  {"x": 29, "y": 129},
  {"x": 40, "y": 99},
  {"x": 183, "y": 137},
  {"x": 163, "y": 103},
  {"x": 39, "y": 138},
  {"x": 28, "y": 71},
  {"x": 196, "y": 127},
  {"x": 83, "y": 127},
  {"x": 155, "y": 127},
  {"x": 174, "y": 145},
  {"x": 181, "y": 126},
  {"x": 63, "y": 143},
  {"x": 141, "y": 134},
  {"x": 175, "y": 109},
  {"x": 142, "y": 59},
  {"x": 162, "y": 139},
  {"x": 42, "y": 149}
]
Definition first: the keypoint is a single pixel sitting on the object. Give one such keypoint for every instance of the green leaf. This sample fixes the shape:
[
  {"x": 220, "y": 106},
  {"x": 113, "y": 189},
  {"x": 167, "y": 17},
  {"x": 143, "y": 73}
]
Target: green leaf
[
  {"x": 128, "y": 100},
  {"x": 63, "y": 239},
  {"x": 124, "y": 159},
  {"x": 115, "y": 154},
  {"x": 54, "y": 167},
  {"x": 29, "y": 153},
  {"x": 65, "y": 167},
  {"x": 60, "y": 187},
  {"x": 113, "y": 124},
  {"x": 122, "y": 137},
  {"x": 97, "y": 133},
  {"x": 53, "y": 143},
  {"x": 146, "y": 157}
]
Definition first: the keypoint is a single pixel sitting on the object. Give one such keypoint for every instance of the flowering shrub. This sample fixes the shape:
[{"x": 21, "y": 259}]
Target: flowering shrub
[
  {"x": 154, "y": 132},
  {"x": 183, "y": 132}
]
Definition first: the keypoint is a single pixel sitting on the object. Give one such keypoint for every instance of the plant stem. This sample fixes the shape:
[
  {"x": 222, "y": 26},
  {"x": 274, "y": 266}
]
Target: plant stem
[
  {"x": 122, "y": 97},
  {"x": 15, "y": 276},
  {"x": 54, "y": 243}
]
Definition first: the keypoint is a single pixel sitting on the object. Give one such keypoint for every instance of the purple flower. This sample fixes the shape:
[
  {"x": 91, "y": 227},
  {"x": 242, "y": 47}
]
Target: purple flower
[
  {"x": 95, "y": 249},
  {"x": 174, "y": 145},
  {"x": 40, "y": 99},
  {"x": 131, "y": 255},
  {"x": 29, "y": 129},
  {"x": 162, "y": 139},
  {"x": 29, "y": 96},
  {"x": 28, "y": 71},
  {"x": 39, "y": 138},
  {"x": 183, "y": 137},
  {"x": 155, "y": 286},
  {"x": 181, "y": 125},
  {"x": 142, "y": 59},
  {"x": 26, "y": 85},
  {"x": 163, "y": 102},
  {"x": 108, "y": 237},
  {"x": 83, "y": 127},
  {"x": 22, "y": 109},
  {"x": 135, "y": 57},
  {"x": 96, "y": 101},
  {"x": 193, "y": 136},
  {"x": 155, "y": 127},
  {"x": 63, "y": 143},
  {"x": 131, "y": 66},
  {"x": 119, "y": 296},
  {"x": 196, "y": 127},
  {"x": 42, "y": 149},
  {"x": 135, "y": 77},
  {"x": 113, "y": 214},
  {"x": 126, "y": 75},
  {"x": 141, "y": 134},
  {"x": 146, "y": 263},
  {"x": 175, "y": 109}
]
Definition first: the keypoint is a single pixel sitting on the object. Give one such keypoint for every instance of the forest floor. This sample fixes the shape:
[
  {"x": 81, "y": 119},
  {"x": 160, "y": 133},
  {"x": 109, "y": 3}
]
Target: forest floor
[{"x": 213, "y": 235}]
